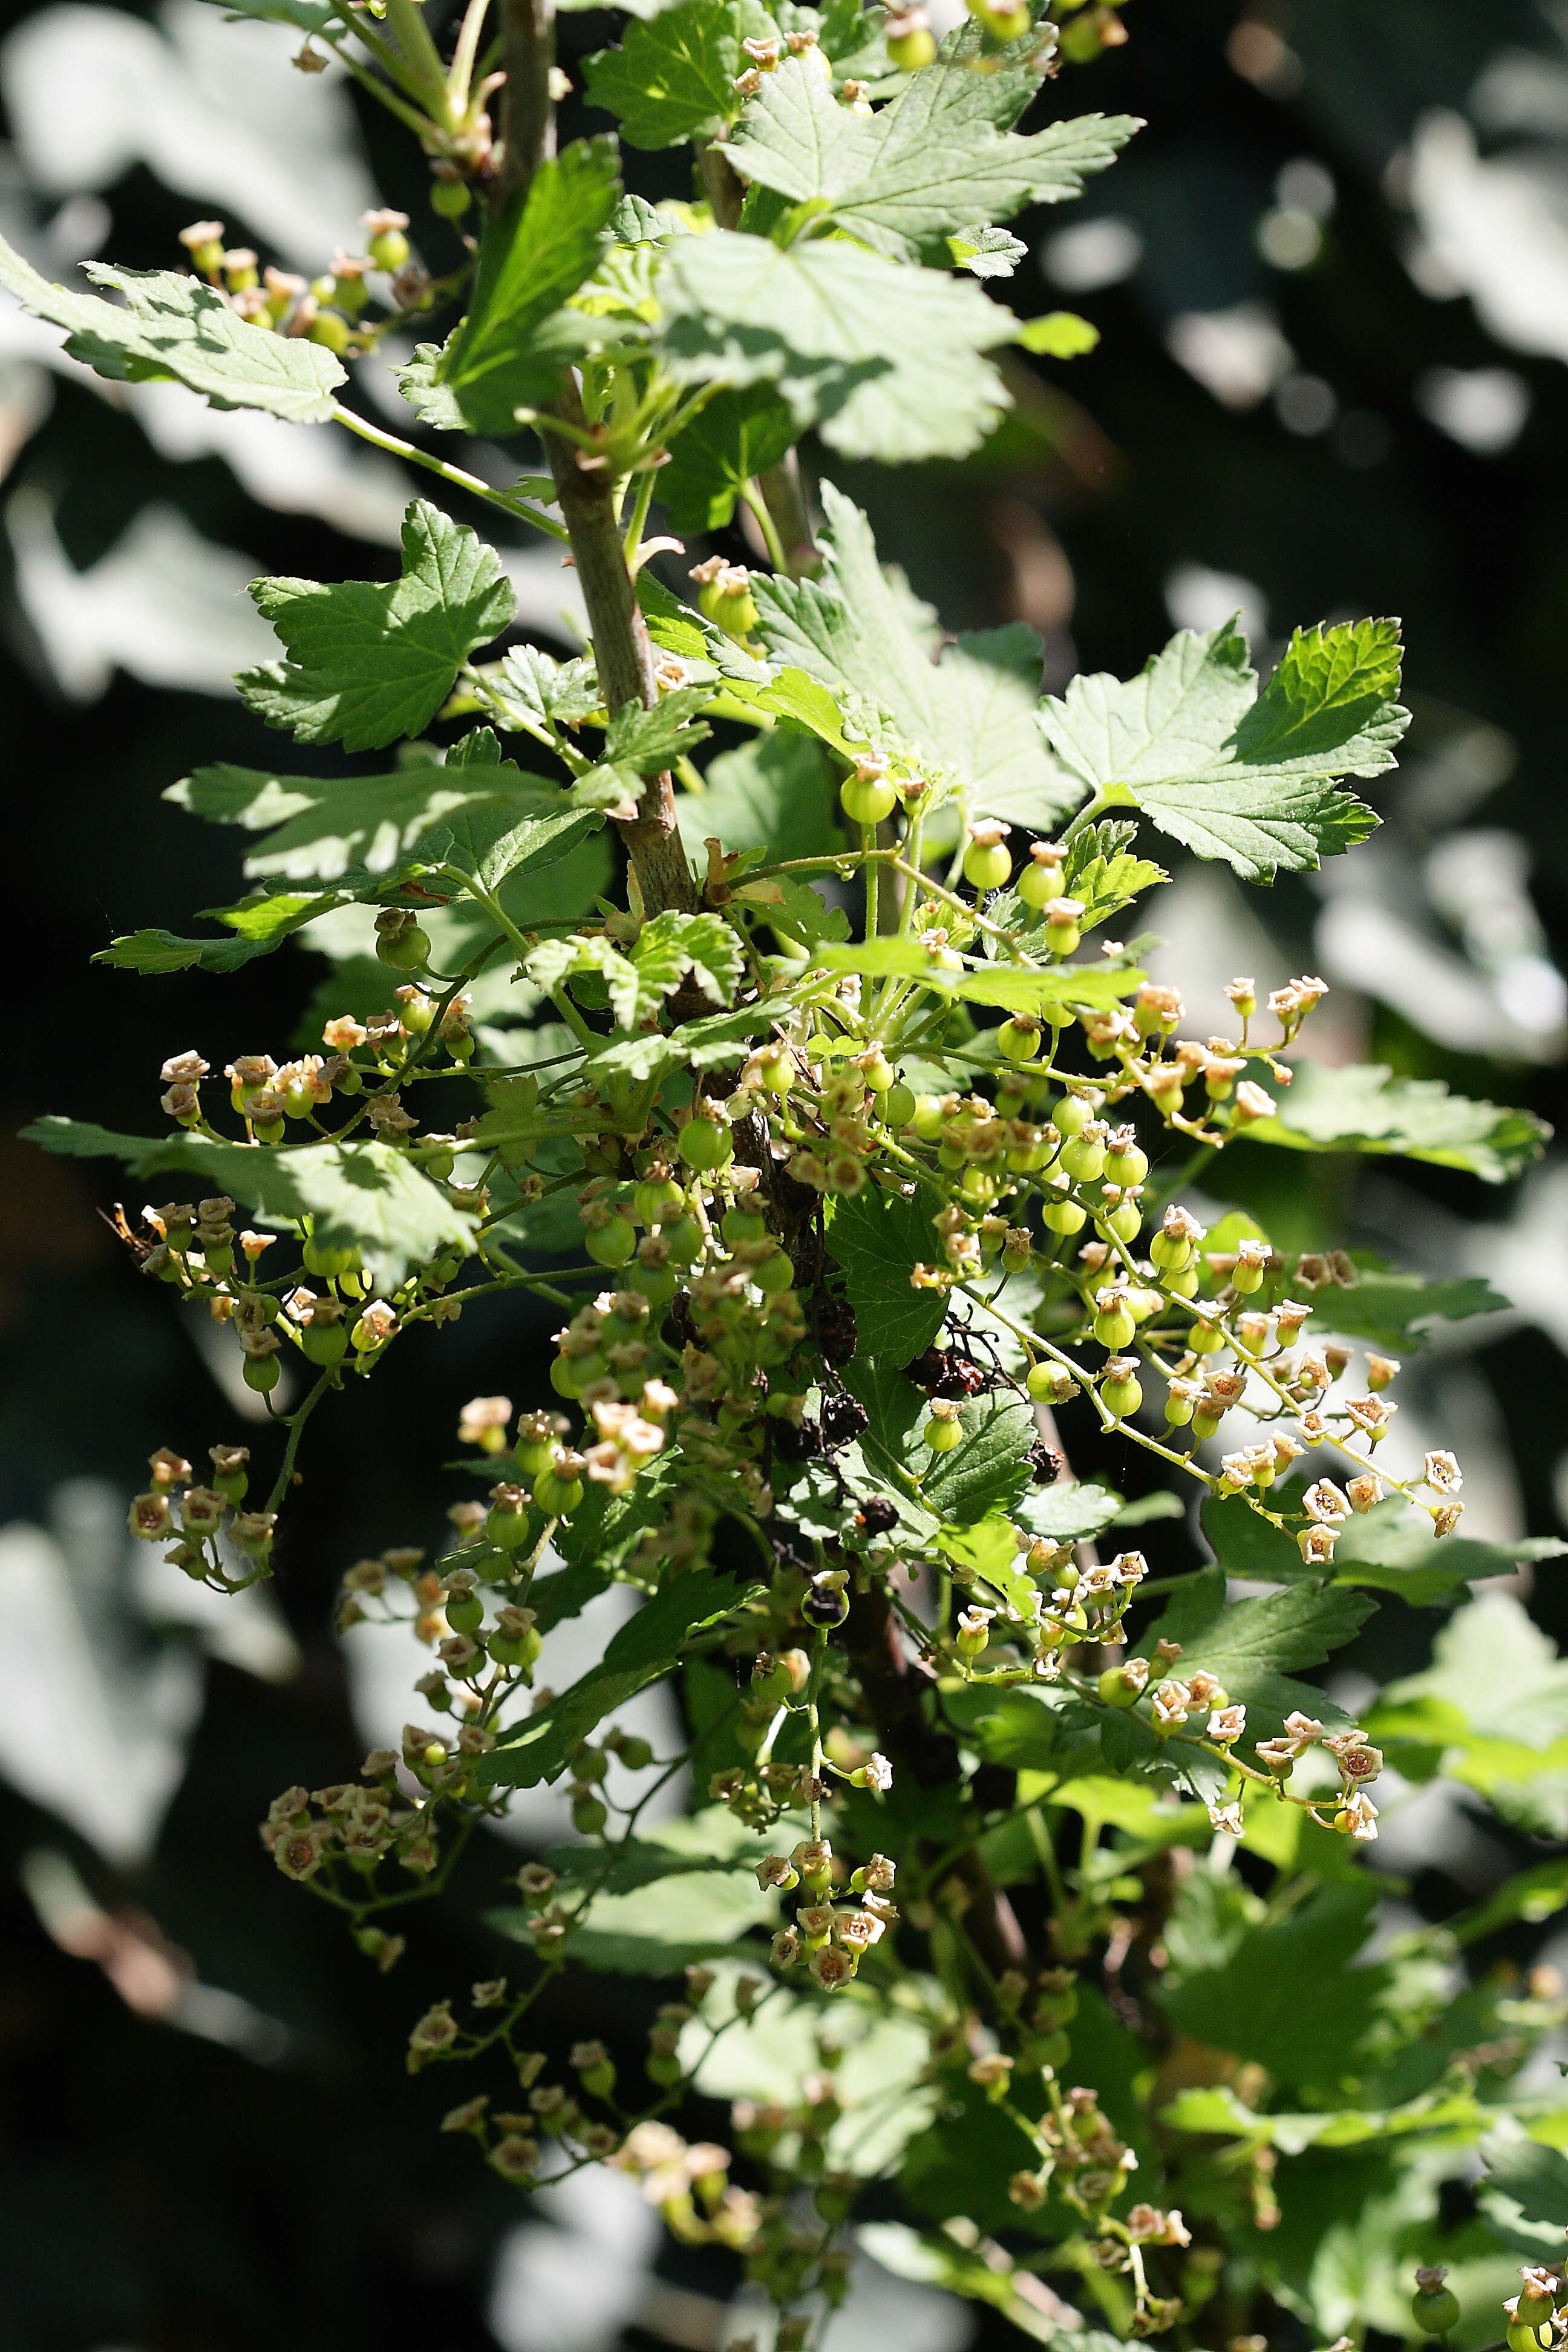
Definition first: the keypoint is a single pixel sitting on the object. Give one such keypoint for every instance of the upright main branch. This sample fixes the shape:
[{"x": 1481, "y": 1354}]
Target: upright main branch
[
  {"x": 621, "y": 649},
  {"x": 528, "y": 56}
]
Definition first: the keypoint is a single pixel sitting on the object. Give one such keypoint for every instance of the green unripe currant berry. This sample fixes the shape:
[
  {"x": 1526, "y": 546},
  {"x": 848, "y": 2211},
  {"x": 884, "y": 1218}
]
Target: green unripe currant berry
[
  {"x": 464, "y": 1612},
  {"x": 324, "y": 1343},
  {"x": 507, "y": 1528},
  {"x": 1083, "y": 1158},
  {"x": 776, "y": 1072},
  {"x": 928, "y": 1118},
  {"x": 1171, "y": 1251},
  {"x": 657, "y": 1199},
  {"x": 977, "y": 1184},
  {"x": 1115, "y": 1328},
  {"x": 1206, "y": 1339},
  {"x": 732, "y": 609},
  {"x": 564, "y": 1377},
  {"x": 407, "y": 950},
  {"x": 867, "y": 800},
  {"x": 589, "y": 1815},
  {"x": 942, "y": 1436},
  {"x": 909, "y": 51},
  {"x": 1523, "y": 2337},
  {"x": 775, "y": 1275},
  {"x": 1065, "y": 1216},
  {"x": 1002, "y": 24},
  {"x": 1019, "y": 1038},
  {"x": 1062, "y": 934},
  {"x": 1247, "y": 1278},
  {"x": 330, "y": 329},
  {"x": 1071, "y": 1115},
  {"x": 389, "y": 249},
  {"x": 1125, "y": 1221},
  {"x": 1122, "y": 1397},
  {"x": 1178, "y": 1409},
  {"x": 987, "y": 865},
  {"x": 557, "y": 1497},
  {"x": 613, "y": 1243},
  {"x": 450, "y": 198},
  {"x": 1040, "y": 883},
  {"x": 1129, "y": 1167},
  {"x": 898, "y": 1105},
  {"x": 1436, "y": 2311},
  {"x": 739, "y": 1225},
  {"x": 662, "y": 2067},
  {"x": 1044, "y": 1383},
  {"x": 684, "y": 1240},
  {"x": 1116, "y": 1689},
  {"x": 657, "y": 1283},
  {"x": 516, "y": 1649},
  {"x": 1183, "y": 1282},
  {"x": 262, "y": 1374},
  {"x": 704, "y": 1144}
]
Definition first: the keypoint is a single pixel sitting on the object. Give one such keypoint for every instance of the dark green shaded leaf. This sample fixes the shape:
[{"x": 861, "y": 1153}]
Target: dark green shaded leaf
[
  {"x": 673, "y": 78},
  {"x": 644, "y": 1650},
  {"x": 735, "y": 435},
  {"x": 879, "y": 1238}
]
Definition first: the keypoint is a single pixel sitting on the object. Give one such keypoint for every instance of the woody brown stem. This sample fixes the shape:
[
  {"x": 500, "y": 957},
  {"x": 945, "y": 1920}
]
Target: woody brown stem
[
  {"x": 621, "y": 652},
  {"x": 528, "y": 53},
  {"x": 892, "y": 1683}
]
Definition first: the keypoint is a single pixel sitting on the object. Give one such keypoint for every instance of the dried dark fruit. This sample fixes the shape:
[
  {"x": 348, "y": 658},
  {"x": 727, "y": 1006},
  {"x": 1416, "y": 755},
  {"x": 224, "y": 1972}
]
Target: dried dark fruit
[
  {"x": 1044, "y": 1464},
  {"x": 878, "y": 1514},
  {"x": 835, "y": 1333},
  {"x": 797, "y": 1443},
  {"x": 843, "y": 1418}
]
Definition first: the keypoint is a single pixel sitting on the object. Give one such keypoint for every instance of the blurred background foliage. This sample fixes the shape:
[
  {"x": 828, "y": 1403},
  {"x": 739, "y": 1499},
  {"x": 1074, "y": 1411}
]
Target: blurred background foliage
[{"x": 1331, "y": 283}]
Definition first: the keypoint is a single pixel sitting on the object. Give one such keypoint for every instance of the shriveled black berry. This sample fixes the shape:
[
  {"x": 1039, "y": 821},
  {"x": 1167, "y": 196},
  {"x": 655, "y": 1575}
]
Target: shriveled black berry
[
  {"x": 843, "y": 1418},
  {"x": 929, "y": 1371},
  {"x": 1044, "y": 1464},
  {"x": 836, "y": 1331},
  {"x": 878, "y": 1514},
  {"x": 797, "y": 1443}
]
